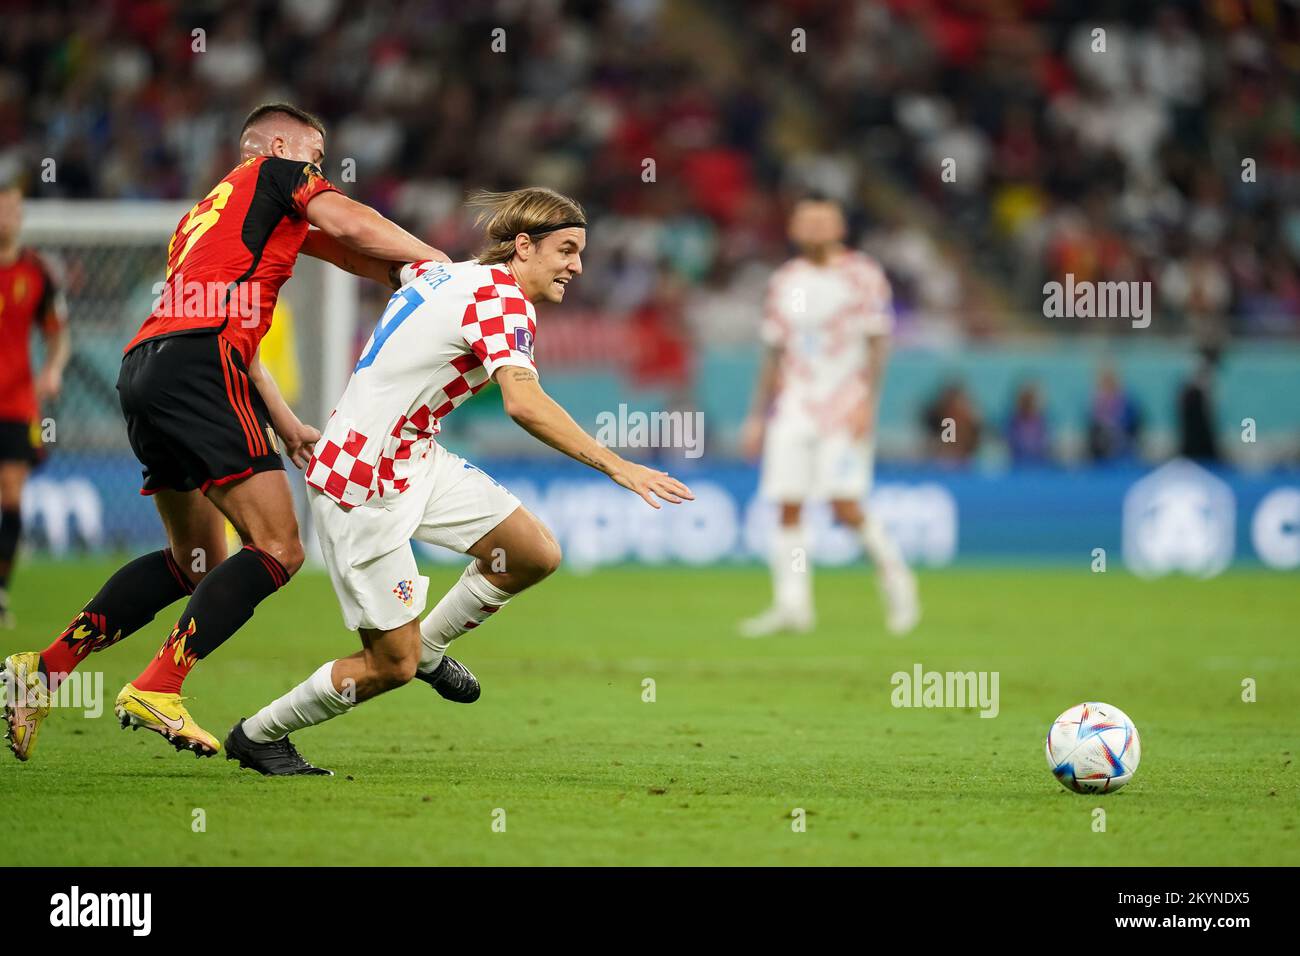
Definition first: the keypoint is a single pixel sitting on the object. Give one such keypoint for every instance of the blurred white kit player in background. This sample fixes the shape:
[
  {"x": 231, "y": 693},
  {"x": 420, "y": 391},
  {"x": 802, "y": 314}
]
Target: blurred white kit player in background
[{"x": 826, "y": 326}]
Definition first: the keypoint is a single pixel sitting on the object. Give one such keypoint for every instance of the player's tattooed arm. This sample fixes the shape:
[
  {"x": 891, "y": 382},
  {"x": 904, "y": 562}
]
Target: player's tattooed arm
[
  {"x": 543, "y": 418},
  {"x": 587, "y": 459}
]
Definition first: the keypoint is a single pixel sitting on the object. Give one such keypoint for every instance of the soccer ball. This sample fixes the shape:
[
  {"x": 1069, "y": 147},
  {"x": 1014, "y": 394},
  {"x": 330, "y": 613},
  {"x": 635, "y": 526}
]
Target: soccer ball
[{"x": 1093, "y": 748}]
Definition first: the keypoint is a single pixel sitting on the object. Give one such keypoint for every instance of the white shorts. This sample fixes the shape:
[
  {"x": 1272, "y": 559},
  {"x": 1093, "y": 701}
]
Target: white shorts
[
  {"x": 368, "y": 549},
  {"x": 800, "y": 463}
]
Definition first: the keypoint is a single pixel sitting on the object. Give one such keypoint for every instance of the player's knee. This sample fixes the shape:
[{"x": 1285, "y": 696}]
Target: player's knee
[
  {"x": 549, "y": 559},
  {"x": 542, "y": 561},
  {"x": 288, "y": 551},
  {"x": 294, "y": 557}
]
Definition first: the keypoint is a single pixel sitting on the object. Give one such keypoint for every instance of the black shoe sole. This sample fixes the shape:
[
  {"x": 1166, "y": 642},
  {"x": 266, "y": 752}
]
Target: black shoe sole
[{"x": 178, "y": 742}]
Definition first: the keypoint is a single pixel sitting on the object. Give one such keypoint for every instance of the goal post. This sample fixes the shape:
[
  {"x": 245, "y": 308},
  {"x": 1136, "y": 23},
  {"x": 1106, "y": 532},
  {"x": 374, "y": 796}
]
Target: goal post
[{"x": 111, "y": 257}]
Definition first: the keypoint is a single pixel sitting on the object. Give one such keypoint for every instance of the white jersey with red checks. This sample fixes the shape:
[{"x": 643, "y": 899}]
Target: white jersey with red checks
[
  {"x": 821, "y": 318},
  {"x": 438, "y": 342}
]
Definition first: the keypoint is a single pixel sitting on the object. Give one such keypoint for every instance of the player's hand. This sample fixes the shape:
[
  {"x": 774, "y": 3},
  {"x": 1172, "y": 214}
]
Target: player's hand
[
  {"x": 49, "y": 384},
  {"x": 648, "y": 483},
  {"x": 751, "y": 437},
  {"x": 300, "y": 443}
]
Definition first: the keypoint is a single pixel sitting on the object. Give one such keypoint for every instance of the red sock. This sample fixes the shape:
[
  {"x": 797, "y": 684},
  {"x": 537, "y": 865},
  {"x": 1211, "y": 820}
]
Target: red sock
[
  {"x": 168, "y": 670},
  {"x": 127, "y": 602},
  {"x": 72, "y": 647}
]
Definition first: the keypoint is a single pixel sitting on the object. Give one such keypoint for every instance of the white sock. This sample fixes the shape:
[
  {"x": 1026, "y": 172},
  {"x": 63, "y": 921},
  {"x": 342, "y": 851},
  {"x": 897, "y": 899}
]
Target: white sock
[
  {"x": 312, "y": 702},
  {"x": 791, "y": 570},
  {"x": 470, "y": 602},
  {"x": 880, "y": 547}
]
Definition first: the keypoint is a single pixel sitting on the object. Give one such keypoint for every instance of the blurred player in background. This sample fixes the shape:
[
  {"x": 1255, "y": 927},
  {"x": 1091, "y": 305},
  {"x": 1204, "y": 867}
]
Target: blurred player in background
[
  {"x": 826, "y": 328},
  {"x": 378, "y": 478},
  {"x": 29, "y": 297},
  {"x": 202, "y": 415}
]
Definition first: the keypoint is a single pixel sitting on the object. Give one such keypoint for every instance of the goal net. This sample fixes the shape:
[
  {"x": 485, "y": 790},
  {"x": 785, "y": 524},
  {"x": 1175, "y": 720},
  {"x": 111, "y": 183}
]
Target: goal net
[{"x": 112, "y": 256}]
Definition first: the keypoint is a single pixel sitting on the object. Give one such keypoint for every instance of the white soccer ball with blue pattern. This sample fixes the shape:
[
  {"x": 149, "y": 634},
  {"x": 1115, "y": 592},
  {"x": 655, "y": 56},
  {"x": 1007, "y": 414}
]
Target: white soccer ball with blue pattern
[{"x": 1093, "y": 748}]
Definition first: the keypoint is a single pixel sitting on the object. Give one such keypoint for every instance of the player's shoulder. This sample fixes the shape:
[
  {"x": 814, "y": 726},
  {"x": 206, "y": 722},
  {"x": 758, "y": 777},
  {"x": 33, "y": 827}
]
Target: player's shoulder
[
  {"x": 277, "y": 163},
  {"x": 855, "y": 260},
  {"x": 494, "y": 273},
  {"x": 278, "y": 167},
  {"x": 492, "y": 281},
  {"x": 249, "y": 167},
  {"x": 786, "y": 270},
  {"x": 468, "y": 276},
  {"x": 49, "y": 265},
  {"x": 865, "y": 271}
]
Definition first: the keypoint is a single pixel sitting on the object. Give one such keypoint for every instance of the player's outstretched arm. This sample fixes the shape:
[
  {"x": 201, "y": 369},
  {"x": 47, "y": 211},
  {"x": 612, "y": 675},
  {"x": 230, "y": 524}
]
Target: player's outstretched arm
[
  {"x": 543, "y": 418},
  {"x": 361, "y": 229},
  {"x": 321, "y": 245},
  {"x": 299, "y": 439}
]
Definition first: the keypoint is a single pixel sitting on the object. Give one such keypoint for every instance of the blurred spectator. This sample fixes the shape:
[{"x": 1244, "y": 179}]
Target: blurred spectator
[
  {"x": 953, "y": 424},
  {"x": 1114, "y": 420},
  {"x": 688, "y": 128},
  {"x": 1197, "y": 438},
  {"x": 661, "y": 355},
  {"x": 1027, "y": 434},
  {"x": 694, "y": 122}
]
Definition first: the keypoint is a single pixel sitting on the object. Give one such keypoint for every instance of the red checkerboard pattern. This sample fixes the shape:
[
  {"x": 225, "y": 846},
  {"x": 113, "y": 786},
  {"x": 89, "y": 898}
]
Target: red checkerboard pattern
[
  {"x": 336, "y": 470},
  {"x": 490, "y": 329},
  {"x": 413, "y": 270},
  {"x": 490, "y": 322}
]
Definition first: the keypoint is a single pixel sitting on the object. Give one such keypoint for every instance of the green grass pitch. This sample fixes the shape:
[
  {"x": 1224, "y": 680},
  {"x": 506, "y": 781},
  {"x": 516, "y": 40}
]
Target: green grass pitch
[{"x": 739, "y": 735}]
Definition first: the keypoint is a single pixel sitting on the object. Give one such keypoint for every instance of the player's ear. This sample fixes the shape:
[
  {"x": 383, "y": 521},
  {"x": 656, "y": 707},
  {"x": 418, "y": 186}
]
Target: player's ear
[{"x": 523, "y": 246}]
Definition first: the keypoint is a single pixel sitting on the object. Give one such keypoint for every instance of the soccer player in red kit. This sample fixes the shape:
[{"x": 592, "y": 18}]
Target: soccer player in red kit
[
  {"x": 202, "y": 416},
  {"x": 29, "y": 297}
]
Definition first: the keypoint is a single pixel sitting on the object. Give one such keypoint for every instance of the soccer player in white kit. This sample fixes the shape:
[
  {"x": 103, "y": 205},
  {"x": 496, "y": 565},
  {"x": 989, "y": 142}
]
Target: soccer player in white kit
[
  {"x": 825, "y": 328},
  {"x": 378, "y": 479}
]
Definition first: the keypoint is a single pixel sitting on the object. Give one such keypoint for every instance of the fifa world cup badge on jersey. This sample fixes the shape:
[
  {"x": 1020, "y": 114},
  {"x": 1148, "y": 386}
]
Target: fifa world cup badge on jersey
[
  {"x": 524, "y": 341},
  {"x": 405, "y": 592}
]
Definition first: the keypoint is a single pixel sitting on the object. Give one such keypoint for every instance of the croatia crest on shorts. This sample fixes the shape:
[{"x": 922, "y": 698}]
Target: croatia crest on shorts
[{"x": 405, "y": 592}]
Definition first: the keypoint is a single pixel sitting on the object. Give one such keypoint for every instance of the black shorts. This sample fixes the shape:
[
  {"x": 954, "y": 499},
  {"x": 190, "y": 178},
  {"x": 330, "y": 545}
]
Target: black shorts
[
  {"x": 21, "y": 441},
  {"x": 193, "y": 418}
]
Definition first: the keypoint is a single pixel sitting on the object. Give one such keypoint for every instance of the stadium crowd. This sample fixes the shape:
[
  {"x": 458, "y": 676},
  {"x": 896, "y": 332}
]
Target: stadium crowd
[{"x": 1168, "y": 153}]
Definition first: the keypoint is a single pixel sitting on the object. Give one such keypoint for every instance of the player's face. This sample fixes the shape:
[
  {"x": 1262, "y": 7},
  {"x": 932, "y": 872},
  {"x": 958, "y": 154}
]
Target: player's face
[
  {"x": 816, "y": 225},
  {"x": 11, "y": 214},
  {"x": 556, "y": 262}
]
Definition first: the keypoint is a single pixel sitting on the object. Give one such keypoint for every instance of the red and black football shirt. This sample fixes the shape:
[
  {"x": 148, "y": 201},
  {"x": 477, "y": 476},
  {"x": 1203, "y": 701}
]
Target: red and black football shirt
[
  {"x": 29, "y": 297},
  {"x": 231, "y": 253}
]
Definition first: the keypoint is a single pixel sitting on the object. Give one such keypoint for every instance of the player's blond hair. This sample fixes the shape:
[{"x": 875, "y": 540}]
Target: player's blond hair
[{"x": 534, "y": 210}]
